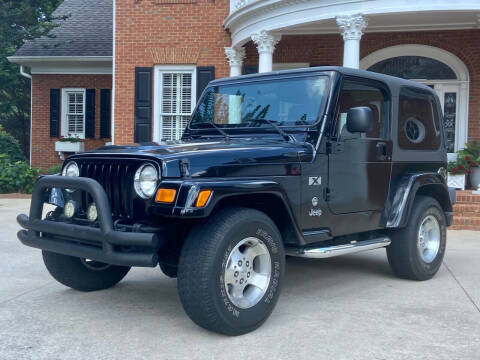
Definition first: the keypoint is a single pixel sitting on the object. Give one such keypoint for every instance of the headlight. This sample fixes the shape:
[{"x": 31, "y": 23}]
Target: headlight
[
  {"x": 71, "y": 169},
  {"x": 145, "y": 181}
]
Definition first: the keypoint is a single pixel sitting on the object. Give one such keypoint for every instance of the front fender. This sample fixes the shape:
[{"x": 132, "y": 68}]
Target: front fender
[
  {"x": 188, "y": 190},
  {"x": 402, "y": 195}
]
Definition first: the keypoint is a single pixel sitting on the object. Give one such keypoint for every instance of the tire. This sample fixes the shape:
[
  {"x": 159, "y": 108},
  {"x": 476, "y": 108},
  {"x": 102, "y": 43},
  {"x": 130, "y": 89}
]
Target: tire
[
  {"x": 407, "y": 258},
  {"x": 83, "y": 275},
  {"x": 207, "y": 256},
  {"x": 169, "y": 270}
]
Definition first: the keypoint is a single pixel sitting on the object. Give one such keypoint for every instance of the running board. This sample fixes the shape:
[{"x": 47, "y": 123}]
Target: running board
[{"x": 337, "y": 250}]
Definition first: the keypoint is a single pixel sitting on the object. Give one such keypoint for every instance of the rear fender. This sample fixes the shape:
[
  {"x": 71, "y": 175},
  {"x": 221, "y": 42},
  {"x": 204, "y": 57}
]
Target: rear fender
[{"x": 403, "y": 192}]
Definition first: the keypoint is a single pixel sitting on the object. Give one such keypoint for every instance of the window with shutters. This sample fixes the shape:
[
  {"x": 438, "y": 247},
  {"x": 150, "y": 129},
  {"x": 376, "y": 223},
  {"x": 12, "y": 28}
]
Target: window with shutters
[
  {"x": 73, "y": 112},
  {"x": 175, "y": 100}
]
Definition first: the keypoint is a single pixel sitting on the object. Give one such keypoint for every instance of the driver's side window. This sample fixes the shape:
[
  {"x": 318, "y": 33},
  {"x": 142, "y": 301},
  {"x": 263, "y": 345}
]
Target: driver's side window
[{"x": 356, "y": 94}]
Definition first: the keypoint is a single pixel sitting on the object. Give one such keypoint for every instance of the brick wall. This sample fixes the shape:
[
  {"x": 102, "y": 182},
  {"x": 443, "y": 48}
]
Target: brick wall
[
  {"x": 328, "y": 50},
  {"x": 43, "y": 146},
  {"x": 150, "y": 32}
]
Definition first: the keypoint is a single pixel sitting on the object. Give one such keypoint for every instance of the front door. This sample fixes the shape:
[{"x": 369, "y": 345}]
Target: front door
[{"x": 360, "y": 163}]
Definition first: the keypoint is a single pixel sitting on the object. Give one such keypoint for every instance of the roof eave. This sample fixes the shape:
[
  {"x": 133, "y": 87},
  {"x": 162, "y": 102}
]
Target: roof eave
[{"x": 24, "y": 60}]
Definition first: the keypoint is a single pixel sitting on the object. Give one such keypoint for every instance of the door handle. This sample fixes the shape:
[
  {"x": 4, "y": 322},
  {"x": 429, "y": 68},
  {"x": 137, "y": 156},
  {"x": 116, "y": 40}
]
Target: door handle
[{"x": 381, "y": 151}]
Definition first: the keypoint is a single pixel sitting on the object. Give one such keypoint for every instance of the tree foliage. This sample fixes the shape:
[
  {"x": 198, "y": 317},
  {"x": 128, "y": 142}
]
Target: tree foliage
[{"x": 21, "y": 20}]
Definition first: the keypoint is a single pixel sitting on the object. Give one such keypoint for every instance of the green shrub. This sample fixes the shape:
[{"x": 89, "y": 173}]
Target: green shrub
[
  {"x": 54, "y": 170},
  {"x": 16, "y": 176},
  {"x": 9, "y": 146}
]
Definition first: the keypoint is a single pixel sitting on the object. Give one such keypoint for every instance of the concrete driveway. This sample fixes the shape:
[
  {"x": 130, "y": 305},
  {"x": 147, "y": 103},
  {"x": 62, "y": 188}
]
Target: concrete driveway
[{"x": 343, "y": 308}]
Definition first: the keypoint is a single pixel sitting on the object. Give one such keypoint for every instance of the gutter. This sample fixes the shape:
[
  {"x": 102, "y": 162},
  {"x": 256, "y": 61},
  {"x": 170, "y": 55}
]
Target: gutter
[{"x": 28, "y": 76}]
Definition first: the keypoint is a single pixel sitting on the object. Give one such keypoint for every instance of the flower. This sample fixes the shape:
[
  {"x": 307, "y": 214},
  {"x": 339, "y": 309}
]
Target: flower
[
  {"x": 468, "y": 171},
  {"x": 472, "y": 164},
  {"x": 467, "y": 158},
  {"x": 460, "y": 167},
  {"x": 454, "y": 171}
]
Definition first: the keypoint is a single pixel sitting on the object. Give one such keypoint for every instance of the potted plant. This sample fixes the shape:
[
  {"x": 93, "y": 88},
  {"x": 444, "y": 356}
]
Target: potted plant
[
  {"x": 470, "y": 158},
  {"x": 69, "y": 143},
  {"x": 456, "y": 174}
]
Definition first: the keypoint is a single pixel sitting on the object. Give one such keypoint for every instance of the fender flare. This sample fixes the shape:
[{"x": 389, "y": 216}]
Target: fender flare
[
  {"x": 223, "y": 189},
  {"x": 402, "y": 195}
]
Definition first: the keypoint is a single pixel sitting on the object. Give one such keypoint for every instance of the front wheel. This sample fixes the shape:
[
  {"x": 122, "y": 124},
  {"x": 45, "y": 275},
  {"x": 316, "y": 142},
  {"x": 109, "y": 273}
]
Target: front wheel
[
  {"x": 230, "y": 271},
  {"x": 83, "y": 274},
  {"x": 417, "y": 251}
]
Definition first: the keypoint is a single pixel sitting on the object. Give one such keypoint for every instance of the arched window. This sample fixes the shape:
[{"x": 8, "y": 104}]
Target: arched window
[{"x": 414, "y": 67}]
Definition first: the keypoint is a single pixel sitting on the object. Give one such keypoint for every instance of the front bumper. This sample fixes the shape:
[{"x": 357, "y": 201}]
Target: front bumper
[{"x": 102, "y": 243}]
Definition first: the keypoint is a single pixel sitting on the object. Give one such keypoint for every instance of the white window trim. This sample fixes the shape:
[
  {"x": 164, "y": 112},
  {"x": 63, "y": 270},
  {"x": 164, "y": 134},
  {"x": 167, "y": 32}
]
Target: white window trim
[
  {"x": 64, "y": 124},
  {"x": 157, "y": 98}
]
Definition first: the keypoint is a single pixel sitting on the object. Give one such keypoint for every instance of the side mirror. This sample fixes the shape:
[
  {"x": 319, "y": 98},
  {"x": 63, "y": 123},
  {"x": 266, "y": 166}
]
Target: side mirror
[{"x": 359, "y": 119}]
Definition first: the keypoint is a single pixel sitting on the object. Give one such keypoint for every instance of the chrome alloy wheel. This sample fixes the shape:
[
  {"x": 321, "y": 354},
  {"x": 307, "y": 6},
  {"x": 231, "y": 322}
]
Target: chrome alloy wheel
[
  {"x": 248, "y": 271},
  {"x": 428, "y": 241}
]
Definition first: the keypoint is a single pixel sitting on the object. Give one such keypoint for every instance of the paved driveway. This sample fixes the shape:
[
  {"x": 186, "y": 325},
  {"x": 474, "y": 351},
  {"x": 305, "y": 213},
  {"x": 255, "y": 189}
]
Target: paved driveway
[{"x": 341, "y": 308}]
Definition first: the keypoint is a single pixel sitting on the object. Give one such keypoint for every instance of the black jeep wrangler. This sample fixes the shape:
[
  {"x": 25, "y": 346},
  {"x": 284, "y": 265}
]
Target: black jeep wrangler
[{"x": 313, "y": 163}]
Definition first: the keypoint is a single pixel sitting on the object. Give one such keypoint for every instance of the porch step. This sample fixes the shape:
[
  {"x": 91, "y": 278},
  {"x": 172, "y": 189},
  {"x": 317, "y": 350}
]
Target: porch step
[{"x": 466, "y": 212}]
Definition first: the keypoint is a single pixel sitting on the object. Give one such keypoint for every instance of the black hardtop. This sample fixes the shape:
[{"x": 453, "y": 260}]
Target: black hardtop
[{"x": 391, "y": 81}]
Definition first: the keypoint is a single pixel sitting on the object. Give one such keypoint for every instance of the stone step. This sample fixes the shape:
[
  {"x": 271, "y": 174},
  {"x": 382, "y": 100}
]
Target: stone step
[
  {"x": 471, "y": 209},
  {"x": 467, "y": 197},
  {"x": 462, "y": 222}
]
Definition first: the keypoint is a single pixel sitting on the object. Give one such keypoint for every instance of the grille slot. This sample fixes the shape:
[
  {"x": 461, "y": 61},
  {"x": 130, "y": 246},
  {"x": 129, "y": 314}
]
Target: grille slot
[{"x": 116, "y": 178}]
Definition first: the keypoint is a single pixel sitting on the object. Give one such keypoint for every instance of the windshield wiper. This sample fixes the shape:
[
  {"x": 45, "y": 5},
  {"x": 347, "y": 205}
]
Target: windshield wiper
[
  {"x": 227, "y": 137},
  {"x": 275, "y": 126}
]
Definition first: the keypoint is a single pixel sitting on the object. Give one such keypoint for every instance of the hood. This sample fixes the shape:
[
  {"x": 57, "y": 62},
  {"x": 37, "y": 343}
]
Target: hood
[{"x": 216, "y": 157}]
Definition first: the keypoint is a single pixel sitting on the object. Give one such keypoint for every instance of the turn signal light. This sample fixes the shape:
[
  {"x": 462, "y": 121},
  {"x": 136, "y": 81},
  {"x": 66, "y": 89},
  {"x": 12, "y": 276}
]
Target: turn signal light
[
  {"x": 203, "y": 197},
  {"x": 165, "y": 195}
]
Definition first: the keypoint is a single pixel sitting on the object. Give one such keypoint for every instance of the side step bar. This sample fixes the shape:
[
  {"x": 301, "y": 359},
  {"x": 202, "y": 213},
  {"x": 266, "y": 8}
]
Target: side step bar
[{"x": 337, "y": 250}]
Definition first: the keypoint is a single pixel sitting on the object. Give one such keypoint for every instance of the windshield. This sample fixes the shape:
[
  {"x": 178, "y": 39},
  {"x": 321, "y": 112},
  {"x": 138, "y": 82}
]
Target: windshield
[{"x": 286, "y": 102}]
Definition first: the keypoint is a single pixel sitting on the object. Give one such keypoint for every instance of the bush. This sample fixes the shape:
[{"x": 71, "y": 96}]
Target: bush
[
  {"x": 54, "y": 170},
  {"x": 9, "y": 146},
  {"x": 16, "y": 176}
]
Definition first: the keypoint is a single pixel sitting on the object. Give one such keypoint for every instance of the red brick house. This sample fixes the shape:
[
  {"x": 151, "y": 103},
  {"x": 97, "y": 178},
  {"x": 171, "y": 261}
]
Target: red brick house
[{"x": 130, "y": 71}]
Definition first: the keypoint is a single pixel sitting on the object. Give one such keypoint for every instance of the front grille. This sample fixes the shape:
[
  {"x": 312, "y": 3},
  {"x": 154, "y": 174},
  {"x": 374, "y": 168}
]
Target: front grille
[{"x": 116, "y": 178}]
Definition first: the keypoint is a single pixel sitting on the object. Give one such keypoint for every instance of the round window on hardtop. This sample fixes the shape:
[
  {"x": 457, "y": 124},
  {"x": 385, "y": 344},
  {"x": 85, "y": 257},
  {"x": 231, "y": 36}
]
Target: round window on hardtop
[{"x": 414, "y": 130}]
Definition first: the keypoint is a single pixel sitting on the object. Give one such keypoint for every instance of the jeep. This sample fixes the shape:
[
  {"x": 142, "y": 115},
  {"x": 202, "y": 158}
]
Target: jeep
[{"x": 312, "y": 163}]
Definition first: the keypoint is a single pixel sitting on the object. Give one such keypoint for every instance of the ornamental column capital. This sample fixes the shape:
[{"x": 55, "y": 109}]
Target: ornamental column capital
[
  {"x": 265, "y": 41},
  {"x": 352, "y": 26},
  {"x": 235, "y": 55}
]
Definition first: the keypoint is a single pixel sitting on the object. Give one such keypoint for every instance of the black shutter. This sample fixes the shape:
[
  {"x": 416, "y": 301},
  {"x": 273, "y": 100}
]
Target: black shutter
[
  {"x": 143, "y": 105},
  {"x": 54, "y": 112},
  {"x": 105, "y": 113},
  {"x": 205, "y": 74},
  {"x": 90, "y": 114},
  {"x": 250, "y": 69}
]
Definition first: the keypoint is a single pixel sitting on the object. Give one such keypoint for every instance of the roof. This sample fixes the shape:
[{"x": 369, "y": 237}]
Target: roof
[
  {"x": 390, "y": 80},
  {"x": 87, "y": 31}
]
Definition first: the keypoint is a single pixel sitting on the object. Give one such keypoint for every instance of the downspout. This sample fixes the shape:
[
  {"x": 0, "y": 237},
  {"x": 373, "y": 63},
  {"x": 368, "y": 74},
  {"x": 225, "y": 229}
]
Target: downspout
[
  {"x": 28, "y": 76},
  {"x": 112, "y": 116}
]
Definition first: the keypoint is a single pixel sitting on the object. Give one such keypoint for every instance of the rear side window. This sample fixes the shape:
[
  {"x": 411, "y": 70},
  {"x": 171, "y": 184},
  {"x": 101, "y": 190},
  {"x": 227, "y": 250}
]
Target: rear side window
[{"x": 418, "y": 121}]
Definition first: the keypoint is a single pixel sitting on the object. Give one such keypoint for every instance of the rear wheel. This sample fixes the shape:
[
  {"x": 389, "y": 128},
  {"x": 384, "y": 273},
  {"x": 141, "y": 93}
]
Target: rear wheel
[
  {"x": 417, "y": 251},
  {"x": 83, "y": 274},
  {"x": 230, "y": 271}
]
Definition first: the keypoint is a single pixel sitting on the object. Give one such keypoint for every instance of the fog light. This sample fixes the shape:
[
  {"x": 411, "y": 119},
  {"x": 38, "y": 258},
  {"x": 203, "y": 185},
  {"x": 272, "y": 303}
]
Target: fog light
[
  {"x": 92, "y": 212},
  {"x": 70, "y": 209}
]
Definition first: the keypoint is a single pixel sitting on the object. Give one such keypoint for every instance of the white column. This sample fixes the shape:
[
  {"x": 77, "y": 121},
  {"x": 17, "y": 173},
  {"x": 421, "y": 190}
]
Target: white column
[
  {"x": 266, "y": 46},
  {"x": 352, "y": 30},
  {"x": 235, "y": 59}
]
